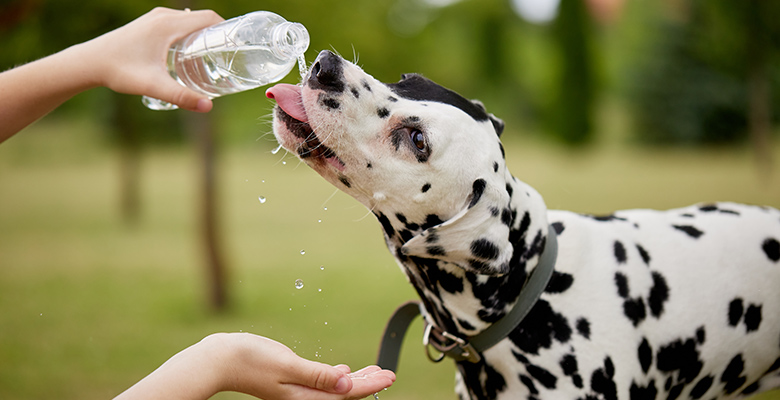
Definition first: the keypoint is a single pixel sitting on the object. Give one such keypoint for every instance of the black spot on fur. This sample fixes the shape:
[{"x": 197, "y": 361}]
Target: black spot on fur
[
  {"x": 601, "y": 381},
  {"x": 645, "y": 353},
  {"x": 702, "y": 386},
  {"x": 559, "y": 282},
  {"x": 648, "y": 392},
  {"x": 529, "y": 383},
  {"x": 659, "y": 294},
  {"x": 772, "y": 249},
  {"x": 569, "y": 366},
  {"x": 634, "y": 309},
  {"x": 644, "y": 254},
  {"x": 700, "y": 335},
  {"x": 540, "y": 328},
  {"x": 750, "y": 389},
  {"x": 477, "y": 188},
  {"x": 383, "y": 112},
  {"x": 681, "y": 357},
  {"x": 620, "y": 252},
  {"x": 542, "y": 375},
  {"x": 495, "y": 167},
  {"x": 605, "y": 218},
  {"x": 426, "y": 187},
  {"x": 392, "y": 99},
  {"x": 689, "y": 230},
  {"x": 559, "y": 227},
  {"x": 355, "y": 92},
  {"x": 508, "y": 217},
  {"x": 583, "y": 327},
  {"x": 484, "y": 249},
  {"x": 431, "y": 220},
  {"x": 753, "y": 317},
  {"x": 345, "y": 181},
  {"x": 622, "y": 284},
  {"x": 732, "y": 376},
  {"x": 386, "y": 225},
  {"x": 436, "y": 251},
  {"x": 330, "y": 103},
  {"x": 369, "y": 166},
  {"x": 736, "y": 309},
  {"x": 482, "y": 380}
]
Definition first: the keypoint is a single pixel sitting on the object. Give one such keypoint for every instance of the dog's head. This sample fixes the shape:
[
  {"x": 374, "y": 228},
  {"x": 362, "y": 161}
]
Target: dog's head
[{"x": 425, "y": 160}]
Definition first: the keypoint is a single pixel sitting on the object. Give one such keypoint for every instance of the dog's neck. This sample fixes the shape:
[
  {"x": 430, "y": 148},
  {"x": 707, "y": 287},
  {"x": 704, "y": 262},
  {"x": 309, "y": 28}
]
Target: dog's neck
[{"x": 464, "y": 302}]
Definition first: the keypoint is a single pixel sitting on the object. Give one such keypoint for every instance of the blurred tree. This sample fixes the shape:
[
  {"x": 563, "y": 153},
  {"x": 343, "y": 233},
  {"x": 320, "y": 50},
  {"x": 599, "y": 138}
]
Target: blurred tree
[
  {"x": 709, "y": 76},
  {"x": 571, "y": 114}
]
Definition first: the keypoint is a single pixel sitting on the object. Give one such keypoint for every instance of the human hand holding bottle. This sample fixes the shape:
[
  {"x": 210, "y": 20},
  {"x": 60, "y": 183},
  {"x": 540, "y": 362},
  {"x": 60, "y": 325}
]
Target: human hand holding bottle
[{"x": 130, "y": 59}]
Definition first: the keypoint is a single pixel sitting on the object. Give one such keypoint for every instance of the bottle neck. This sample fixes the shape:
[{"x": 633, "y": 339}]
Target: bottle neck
[{"x": 290, "y": 40}]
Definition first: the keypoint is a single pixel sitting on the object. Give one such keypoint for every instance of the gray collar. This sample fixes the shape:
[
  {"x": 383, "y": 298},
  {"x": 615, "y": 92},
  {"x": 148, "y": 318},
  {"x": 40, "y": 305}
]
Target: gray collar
[{"x": 469, "y": 349}]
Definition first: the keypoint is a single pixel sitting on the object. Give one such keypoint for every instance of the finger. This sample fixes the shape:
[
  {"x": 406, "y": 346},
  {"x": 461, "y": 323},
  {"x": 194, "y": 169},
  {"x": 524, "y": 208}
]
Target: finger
[
  {"x": 370, "y": 380},
  {"x": 321, "y": 377}
]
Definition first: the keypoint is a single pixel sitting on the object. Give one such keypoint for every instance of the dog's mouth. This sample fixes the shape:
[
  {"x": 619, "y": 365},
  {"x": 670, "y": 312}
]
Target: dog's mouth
[{"x": 291, "y": 111}]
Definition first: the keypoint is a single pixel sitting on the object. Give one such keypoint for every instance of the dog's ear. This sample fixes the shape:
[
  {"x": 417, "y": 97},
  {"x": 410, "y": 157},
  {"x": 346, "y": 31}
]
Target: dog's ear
[
  {"x": 498, "y": 124},
  {"x": 476, "y": 239}
]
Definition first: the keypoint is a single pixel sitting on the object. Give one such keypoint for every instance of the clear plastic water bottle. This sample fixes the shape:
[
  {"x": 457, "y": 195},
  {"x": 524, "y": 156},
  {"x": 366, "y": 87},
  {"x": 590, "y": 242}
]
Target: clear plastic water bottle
[{"x": 239, "y": 54}]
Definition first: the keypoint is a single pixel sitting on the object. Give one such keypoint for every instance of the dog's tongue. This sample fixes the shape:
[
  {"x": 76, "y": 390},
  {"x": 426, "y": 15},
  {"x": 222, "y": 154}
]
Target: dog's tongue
[{"x": 288, "y": 97}]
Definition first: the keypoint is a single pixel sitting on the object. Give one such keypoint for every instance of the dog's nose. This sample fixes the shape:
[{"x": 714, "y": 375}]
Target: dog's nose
[{"x": 326, "y": 72}]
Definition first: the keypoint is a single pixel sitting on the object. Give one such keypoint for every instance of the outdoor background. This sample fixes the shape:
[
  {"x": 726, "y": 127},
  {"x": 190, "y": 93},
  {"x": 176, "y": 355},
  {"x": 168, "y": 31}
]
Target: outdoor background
[{"x": 127, "y": 234}]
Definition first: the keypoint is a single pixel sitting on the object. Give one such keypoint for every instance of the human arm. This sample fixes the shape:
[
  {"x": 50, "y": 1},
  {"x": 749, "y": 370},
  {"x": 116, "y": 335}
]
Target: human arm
[
  {"x": 130, "y": 59},
  {"x": 257, "y": 366}
]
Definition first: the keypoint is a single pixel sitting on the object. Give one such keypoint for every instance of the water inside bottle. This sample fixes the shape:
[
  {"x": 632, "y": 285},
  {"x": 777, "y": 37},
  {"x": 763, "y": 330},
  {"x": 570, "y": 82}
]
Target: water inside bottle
[{"x": 217, "y": 73}]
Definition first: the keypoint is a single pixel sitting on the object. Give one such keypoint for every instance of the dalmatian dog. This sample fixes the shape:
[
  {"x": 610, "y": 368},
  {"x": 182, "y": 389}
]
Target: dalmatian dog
[{"x": 642, "y": 304}]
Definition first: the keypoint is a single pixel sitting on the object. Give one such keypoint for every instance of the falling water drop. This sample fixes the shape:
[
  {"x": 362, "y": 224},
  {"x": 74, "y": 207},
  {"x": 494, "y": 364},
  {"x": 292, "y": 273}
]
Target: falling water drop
[
  {"x": 262, "y": 199},
  {"x": 276, "y": 150},
  {"x": 376, "y": 396},
  {"x": 303, "y": 252},
  {"x": 322, "y": 268},
  {"x": 299, "y": 283}
]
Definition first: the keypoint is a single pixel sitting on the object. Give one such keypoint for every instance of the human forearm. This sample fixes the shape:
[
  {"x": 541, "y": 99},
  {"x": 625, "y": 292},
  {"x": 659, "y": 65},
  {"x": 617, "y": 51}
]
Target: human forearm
[{"x": 33, "y": 90}]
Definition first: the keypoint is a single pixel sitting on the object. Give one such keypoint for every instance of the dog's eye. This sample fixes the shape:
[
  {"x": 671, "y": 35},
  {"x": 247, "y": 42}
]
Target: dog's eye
[{"x": 418, "y": 139}]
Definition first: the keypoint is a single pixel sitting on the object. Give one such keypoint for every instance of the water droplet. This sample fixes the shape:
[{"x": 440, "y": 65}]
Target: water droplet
[
  {"x": 322, "y": 268},
  {"x": 326, "y": 322},
  {"x": 376, "y": 396},
  {"x": 320, "y": 290},
  {"x": 262, "y": 181},
  {"x": 325, "y": 208},
  {"x": 303, "y": 252},
  {"x": 262, "y": 199},
  {"x": 284, "y": 162},
  {"x": 302, "y": 66},
  {"x": 276, "y": 150},
  {"x": 298, "y": 285},
  {"x": 319, "y": 220}
]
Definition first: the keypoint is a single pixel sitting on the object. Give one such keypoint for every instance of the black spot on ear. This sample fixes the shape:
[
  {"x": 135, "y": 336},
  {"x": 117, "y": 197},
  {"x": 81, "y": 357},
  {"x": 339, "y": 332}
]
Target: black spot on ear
[
  {"x": 645, "y": 353},
  {"x": 772, "y": 249},
  {"x": 392, "y": 99},
  {"x": 736, "y": 309},
  {"x": 620, "y": 252},
  {"x": 484, "y": 249},
  {"x": 753, "y": 317},
  {"x": 503, "y": 152},
  {"x": 583, "y": 327},
  {"x": 644, "y": 254},
  {"x": 689, "y": 230},
  {"x": 426, "y": 187},
  {"x": 476, "y": 193},
  {"x": 383, "y": 112},
  {"x": 732, "y": 375},
  {"x": 559, "y": 227},
  {"x": 659, "y": 293},
  {"x": 436, "y": 251}
]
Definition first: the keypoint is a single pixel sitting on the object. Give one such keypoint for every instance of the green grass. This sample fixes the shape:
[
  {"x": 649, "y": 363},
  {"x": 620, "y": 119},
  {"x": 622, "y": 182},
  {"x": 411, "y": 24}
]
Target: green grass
[{"x": 89, "y": 305}]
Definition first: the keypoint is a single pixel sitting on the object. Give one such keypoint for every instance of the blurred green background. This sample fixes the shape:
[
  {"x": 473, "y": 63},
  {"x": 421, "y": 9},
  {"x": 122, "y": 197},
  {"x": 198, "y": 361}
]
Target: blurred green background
[{"x": 609, "y": 104}]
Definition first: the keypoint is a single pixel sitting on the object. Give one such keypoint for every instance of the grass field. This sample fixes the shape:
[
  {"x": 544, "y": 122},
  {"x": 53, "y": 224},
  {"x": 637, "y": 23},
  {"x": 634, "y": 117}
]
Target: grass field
[{"x": 89, "y": 305}]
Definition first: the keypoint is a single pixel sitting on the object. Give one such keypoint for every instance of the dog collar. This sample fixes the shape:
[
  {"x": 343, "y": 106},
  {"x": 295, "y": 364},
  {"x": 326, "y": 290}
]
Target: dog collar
[{"x": 460, "y": 349}]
